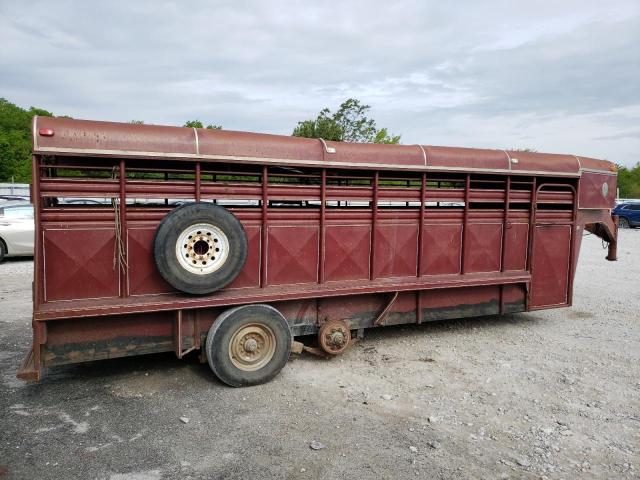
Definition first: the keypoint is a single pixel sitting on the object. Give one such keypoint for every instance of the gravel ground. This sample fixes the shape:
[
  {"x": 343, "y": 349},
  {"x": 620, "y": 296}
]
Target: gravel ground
[{"x": 552, "y": 394}]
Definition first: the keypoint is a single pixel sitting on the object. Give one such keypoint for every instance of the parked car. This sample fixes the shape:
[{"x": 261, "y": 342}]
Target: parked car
[
  {"x": 628, "y": 214},
  {"x": 84, "y": 201},
  {"x": 16, "y": 229},
  {"x": 13, "y": 198}
]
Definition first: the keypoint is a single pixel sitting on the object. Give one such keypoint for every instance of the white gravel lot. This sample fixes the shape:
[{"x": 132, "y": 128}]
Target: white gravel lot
[{"x": 552, "y": 394}]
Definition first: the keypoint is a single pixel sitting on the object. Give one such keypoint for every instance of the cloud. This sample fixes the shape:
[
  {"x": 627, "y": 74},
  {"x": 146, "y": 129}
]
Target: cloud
[
  {"x": 563, "y": 77},
  {"x": 628, "y": 134}
]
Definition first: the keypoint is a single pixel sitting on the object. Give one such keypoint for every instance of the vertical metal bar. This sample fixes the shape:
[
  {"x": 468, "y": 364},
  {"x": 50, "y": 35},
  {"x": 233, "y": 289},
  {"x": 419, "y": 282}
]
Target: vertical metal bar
[
  {"x": 532, "y": 220},
  {"x": 265, "y": 226},
  {"x": 574, "y": 226},
  {"x": 465, "y": 223},
  {"x": 37, "y": 215},
  {"x": 374, "y": 227},
  {"x": 418, "y": 307},
  {"x": 423, "y": 194},
  {"x": 166, "y": 179},
  {"x": 321, "y": 246},
  {"x": 505, "y": 221},
  {"x": 38, "y": 296},
  {"x": 612, "y": 251},
  {"x": 196, "y": 328},
  {"x": 41, "y": 327},
  {"x": 198, "y": 175},
  {"x": 406, "y": 204},
  {"x": 505, "y": 224},
  {"x": 178, "y": 337},
  {"x": 532, "y": 228},
  {"x": 179, "y": 351},
  {"x": 123, "y": 269}
]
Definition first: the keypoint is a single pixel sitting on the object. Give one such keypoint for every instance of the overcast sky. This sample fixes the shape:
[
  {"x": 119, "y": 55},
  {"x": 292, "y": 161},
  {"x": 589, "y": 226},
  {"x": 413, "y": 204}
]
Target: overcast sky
[{"x": 558, "y": 76}]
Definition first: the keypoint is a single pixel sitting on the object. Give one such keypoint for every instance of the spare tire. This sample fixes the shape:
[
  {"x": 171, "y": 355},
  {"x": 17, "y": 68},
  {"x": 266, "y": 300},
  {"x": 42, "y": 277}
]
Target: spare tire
[{"x": 199, "y": 248}]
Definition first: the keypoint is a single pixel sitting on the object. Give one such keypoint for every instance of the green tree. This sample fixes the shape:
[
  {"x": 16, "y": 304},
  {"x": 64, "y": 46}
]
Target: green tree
[
  {"x": 15, "y": 141},
  {"x": 198, "y": 124},
  {"x": 629, "y": 181},
  {"x": 382, "y": 136},
  {"x": 322, "y": 127},
  {"x": 348, "y": 124}
]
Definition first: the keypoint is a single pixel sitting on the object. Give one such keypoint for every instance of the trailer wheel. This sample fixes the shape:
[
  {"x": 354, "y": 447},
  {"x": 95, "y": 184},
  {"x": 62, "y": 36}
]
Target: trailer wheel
[
  {"x": 200, "y": 248},
  {"x": 248, "y": 345},
  {"x": 3, "y": 250}
]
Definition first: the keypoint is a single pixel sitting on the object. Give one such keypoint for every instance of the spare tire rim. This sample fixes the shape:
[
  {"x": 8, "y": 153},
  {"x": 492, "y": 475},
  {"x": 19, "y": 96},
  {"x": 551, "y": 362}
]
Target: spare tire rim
[
  {"x": 202, "y": 248},
  {"x": 252, "y": 347}
]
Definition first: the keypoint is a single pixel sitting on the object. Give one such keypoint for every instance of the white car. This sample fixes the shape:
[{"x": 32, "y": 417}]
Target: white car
[{"x": 16, "y": 230}]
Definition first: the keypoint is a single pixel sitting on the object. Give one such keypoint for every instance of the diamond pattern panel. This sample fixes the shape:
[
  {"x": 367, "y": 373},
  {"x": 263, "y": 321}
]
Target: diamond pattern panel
[
  {"x": 396, "y": 250},
  {"x": 79, "y": 264},
  {"x": 484, "y": 242},
  {"x": 550, "y": 264},
  {"x": 441, "y": 249},
  {"x": 347, "y": 248},
  {"x": 293, "y": 255},
  {"x": 250, "y": 274},
  {"x": 143, "y": 276}
]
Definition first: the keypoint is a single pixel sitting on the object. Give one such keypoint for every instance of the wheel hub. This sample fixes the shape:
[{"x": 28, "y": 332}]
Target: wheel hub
[
  {"x": 252, "y": 346},
  {"x": 202, "y": 248},
  {"x": 334, "y": 337}
]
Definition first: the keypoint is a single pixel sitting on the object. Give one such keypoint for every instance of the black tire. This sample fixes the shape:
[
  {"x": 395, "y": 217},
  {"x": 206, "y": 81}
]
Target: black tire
[
  {"x": 3, "y": 250},
  {"x": 623, "y": 223},
  {"x": 180, "y": 220},
  {"x": 229, "y": 327}
]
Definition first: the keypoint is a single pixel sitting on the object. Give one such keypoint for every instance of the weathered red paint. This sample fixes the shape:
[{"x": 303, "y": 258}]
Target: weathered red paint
[
  {"x": 108, "y": 139},
  {"x": 468, "y": 232}
]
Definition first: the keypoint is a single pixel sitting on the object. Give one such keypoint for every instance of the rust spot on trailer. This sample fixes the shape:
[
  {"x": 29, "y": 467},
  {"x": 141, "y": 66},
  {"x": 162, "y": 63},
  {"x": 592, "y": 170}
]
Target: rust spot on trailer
[
  {"x": 366, "y": 319},
  {"x": 334, "y": 337},
  {"x": 103, "y": 349}
]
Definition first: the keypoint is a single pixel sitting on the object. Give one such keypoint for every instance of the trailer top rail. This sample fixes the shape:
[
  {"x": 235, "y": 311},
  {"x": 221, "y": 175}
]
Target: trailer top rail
[{"x": 61, "y": 136}]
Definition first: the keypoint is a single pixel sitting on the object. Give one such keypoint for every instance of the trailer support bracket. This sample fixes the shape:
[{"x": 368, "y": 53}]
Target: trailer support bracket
[{"x": 380, "y": 320}]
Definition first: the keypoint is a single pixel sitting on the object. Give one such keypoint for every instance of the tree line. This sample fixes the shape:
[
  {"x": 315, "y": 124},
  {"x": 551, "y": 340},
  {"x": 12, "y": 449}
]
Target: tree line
[
  {"x": 629, "y": 181},
  {"x": 15, "y": 141},
  {"x": 349, "y": 123}
]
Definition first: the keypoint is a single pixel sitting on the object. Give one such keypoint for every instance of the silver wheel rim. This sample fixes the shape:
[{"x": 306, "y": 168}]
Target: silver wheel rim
[{"x": 202, "y": 248}]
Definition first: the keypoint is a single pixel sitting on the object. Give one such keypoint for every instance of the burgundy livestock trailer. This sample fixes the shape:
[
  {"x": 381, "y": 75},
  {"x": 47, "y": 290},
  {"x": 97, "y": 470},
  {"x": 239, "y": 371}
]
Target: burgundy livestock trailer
[{"x": 233, "y": 243}]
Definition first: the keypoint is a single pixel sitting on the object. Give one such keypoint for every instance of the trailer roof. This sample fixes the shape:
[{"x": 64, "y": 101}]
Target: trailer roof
[{"x": 68, "y": 137}]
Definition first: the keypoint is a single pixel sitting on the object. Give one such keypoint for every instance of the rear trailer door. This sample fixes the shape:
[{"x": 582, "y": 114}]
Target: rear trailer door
[{"x": 550, "y": 265}]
